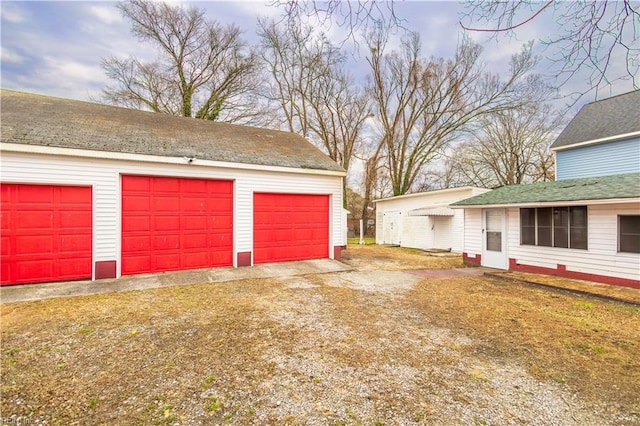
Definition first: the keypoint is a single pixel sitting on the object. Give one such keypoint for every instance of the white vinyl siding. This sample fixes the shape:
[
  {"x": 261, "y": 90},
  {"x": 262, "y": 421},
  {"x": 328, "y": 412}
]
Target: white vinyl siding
[
  {"x": 415, "y": 232},
  {"x": 104, "y": 176},
  {"x": 601, "y": 258},
  {"x": 603, "y": 159},
  {"x": 442, "y": 237},
  {"x": 473, "y": 232}
]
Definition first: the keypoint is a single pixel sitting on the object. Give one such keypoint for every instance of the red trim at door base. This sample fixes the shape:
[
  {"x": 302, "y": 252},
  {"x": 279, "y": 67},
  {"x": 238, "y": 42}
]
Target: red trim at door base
[
  {"x": 468, "y": 260},
  {"x": 105, "y": 269},
  {"x": 561, "y": 271},
  {"x": 244, "y": 258},
  {"x": 337, "y": 253}
]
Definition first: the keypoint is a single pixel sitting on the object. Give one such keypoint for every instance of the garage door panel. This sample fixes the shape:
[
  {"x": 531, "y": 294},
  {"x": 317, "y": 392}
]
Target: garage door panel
[
  {"x": 136, "y": 243},
  {"x": 193, "y": 222},
  {"x": 34, "y": 244},
  {"x": 184, "y": 217},
  {"x": 168, "y": 261},
  {"x": 73, "y": 244},
  {"x": 136, "y": 203},
  {"x": 166, "y": 223},
  {"x": 71, "y": 196},
  {"x": 166, "y": 242},
  {"x": 36, "y": 270},
  {"x": 136, "y": 183},
  {"x": 35, "y": 194},
  {"x": 141, "y": 262},
  {"x": 290, "y": 227},
  {"x": 194, "y": 204},
  {"x": 197, "y": 259},
  {"x": 70, "y": 267},
  {"x": 221, "y": 222},
  {"x": 195, "y": 241},
  {"x": 5, "y": 244},
  {"x": 35, "y": 219},
  {"x": 168, "y": 185},
  {"x": 166, "y": 204},
  {"x": 136, "y": 224},
  {"x": 74, "y": 219}
]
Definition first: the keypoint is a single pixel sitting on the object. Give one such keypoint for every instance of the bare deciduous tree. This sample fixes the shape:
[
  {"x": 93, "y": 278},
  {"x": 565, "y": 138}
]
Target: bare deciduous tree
[
  {"x": 203, "y": 68},
  {"x": 354, "y": 16},
  {"x": 594, "y": 36},
  {"x": 422, "y": 105},
  {"x": 317, "y": 97},
  {"x": 506, "y": 147}
]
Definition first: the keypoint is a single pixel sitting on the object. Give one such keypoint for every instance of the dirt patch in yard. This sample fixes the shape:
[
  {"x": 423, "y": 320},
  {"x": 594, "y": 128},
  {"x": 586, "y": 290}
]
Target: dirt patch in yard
[
  {"x": 355, "y": 347},
  {"x": 375, "y": 257}
]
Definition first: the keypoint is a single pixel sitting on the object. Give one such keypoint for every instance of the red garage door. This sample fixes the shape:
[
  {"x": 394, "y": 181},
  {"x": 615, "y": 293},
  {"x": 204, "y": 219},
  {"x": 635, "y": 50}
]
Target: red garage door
[
  {"x": 290, "y": 227},
  {"x": 46, "y": 233},
  {"x": 171, "y": 224}
]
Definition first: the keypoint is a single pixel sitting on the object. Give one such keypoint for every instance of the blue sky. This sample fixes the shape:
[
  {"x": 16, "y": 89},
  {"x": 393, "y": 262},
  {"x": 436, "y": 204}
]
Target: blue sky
[{"x": 55, "y": 48}]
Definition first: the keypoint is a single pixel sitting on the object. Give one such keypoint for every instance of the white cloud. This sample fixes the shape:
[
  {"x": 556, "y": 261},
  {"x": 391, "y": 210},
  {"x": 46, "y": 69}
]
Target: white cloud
[
  {"x": 106, "y": 14},
  {"x": 13, "y": 13},
  {"x": 10, "y": 56}
]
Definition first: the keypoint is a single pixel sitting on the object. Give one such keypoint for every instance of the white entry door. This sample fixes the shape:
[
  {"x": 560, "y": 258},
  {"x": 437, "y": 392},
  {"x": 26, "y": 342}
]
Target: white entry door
[
  {"x": 391, "y": 227},
  {"x": 494, "y": 239}
]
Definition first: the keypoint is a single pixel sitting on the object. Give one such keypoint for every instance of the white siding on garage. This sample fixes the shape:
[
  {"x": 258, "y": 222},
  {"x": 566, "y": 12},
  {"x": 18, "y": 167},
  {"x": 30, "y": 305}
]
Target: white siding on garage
[
  {"x": 104, "y": 176},
  {"x": 457, "y": 231},
  {"x": 442, "y": 236},
  {"x": 601, "y": 257},
  {"x": 416, "y": 232}
]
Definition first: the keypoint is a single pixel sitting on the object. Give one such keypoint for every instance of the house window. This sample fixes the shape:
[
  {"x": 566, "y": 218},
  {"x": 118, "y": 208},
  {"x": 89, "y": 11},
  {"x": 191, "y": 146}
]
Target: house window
[
  {"x": 554, "y": 227},
  {"x": 629, "y": 234},
  {"x": 528, "y": 227}
]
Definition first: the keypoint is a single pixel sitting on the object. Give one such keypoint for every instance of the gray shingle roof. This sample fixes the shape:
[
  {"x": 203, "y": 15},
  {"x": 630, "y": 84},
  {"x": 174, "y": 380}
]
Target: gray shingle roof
[
  {"x": 583, "y": 189},
  {"x": 47, "y": 121},
  {"x": 614, "y": 116}
]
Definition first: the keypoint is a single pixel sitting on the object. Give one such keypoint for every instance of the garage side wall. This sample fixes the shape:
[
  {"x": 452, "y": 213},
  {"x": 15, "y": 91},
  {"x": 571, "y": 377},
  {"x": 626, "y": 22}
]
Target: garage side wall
[{"x": 104, "y": 177}]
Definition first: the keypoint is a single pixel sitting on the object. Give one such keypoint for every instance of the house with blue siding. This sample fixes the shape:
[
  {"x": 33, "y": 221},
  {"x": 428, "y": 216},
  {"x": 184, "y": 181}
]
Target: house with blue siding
[
  {"x": 603, "y": 139},
  {"x": 585, "y": 224}
]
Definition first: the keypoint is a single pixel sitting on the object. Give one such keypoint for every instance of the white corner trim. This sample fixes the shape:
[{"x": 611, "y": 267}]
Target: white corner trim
[
  {"x": 123, "y": 156},
  {"x": 595, "y": 141}
]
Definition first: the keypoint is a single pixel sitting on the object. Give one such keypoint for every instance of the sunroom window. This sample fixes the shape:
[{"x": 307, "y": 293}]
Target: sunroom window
[
  {"x": 554, "y": 227},
  {"x": 629, "y": 234}
]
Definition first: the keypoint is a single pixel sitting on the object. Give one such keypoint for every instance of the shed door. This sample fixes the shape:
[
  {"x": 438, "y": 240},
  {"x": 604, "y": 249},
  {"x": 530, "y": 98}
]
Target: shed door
[
  {"x": 171, "y": 224},
  {"x": 391, "y": 223},
  {"x": 46, "y": 233},
  {"x": 290, "y": 227}
]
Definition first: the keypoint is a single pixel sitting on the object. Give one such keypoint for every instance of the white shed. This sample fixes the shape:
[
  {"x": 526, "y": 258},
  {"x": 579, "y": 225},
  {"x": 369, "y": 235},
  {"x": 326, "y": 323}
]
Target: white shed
[
  {"x": 423, "y": 220},
  {"x": 93, "y": 191}
]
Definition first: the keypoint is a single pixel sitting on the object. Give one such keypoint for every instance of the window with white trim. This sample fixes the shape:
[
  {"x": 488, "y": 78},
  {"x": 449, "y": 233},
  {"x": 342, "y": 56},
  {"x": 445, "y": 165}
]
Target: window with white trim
[
  {"x": 554, "y": 227},
  {"x": 629, "y": 233}
]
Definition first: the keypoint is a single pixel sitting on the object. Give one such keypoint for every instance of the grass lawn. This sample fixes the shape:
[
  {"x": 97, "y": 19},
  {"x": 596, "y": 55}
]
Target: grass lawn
[
  {"x": 307, "y": 350},
  {"x": 356, "y": 240}
]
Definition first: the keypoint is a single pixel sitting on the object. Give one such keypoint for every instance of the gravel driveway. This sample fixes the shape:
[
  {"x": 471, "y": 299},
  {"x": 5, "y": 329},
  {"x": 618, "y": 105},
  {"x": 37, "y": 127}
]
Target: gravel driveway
[{"x": 356, "y": 347}]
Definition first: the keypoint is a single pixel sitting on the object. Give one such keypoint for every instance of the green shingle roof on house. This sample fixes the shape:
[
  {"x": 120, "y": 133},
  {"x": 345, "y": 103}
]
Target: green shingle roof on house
[
  {"x": 570, "y": 190},
  {"x": 30, "y": 119}
]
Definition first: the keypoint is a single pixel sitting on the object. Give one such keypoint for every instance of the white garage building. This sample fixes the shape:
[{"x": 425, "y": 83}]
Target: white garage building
[
  {"x": 423, "y": 220},
  {"x": 95, "y": 191}
]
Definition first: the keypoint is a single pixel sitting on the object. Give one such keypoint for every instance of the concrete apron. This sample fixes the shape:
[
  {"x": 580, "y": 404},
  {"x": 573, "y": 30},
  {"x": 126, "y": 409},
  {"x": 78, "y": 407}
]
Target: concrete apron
[{"x": 28, "y": 292}]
